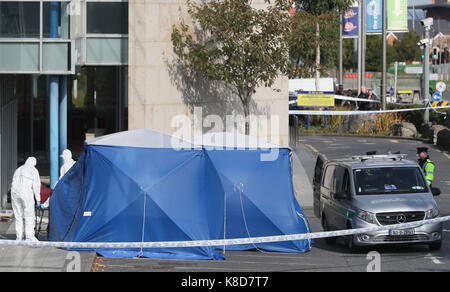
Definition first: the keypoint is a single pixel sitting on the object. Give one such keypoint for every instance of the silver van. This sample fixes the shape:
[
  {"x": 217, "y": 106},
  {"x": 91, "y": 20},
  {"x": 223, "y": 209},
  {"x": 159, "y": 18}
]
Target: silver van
[{"x": 368, "y": 190}]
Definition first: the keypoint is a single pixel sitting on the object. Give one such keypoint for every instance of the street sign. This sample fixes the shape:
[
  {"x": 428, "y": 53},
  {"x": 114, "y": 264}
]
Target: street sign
[
  {"x": 434, "y": 76},
  {"x": 413, "y": 70},
  {"x": 436, "y": 96},
  {"x": 439, "y": 103},
  {"x": 441, "y": 87},
  {"x": 315, "y": 99},
  {"x": 391, "y": 91}
]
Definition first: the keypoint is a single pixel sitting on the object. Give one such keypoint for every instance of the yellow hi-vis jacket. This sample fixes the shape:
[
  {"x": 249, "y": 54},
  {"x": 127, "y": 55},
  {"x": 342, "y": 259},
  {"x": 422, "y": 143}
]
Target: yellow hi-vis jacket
[{"x": 428, "y": 168}]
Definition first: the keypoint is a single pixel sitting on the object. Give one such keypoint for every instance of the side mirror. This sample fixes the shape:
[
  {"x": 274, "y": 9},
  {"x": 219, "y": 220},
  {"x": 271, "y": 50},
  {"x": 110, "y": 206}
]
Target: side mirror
[
  {"x": 435, "y": 191},
  {"x": 340, "y": 196}
]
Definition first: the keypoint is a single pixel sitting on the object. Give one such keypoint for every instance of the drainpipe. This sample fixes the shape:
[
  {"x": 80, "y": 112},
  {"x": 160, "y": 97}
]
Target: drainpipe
[
  {"x": 62, "y": 116},
  {"x": 54, "y": 100}
]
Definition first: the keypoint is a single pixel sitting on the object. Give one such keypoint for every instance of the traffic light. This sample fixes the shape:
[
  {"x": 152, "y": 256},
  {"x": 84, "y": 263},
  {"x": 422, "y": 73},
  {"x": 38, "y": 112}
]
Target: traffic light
[
  {"x": 435, "y": 53},
  {"x": 445, "y": 55}
]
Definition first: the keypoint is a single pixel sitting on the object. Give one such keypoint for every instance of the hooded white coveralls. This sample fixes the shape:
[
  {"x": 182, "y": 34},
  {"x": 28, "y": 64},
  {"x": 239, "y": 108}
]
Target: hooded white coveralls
[
  {"x": 68, "y": 162},
  {"x": 25, "y": 187}
]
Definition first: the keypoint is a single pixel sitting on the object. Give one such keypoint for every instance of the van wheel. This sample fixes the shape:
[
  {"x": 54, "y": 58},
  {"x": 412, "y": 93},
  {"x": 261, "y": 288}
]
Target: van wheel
[
  {"x": 328, "y": 240},
  {"x": 435, "y": 246}
]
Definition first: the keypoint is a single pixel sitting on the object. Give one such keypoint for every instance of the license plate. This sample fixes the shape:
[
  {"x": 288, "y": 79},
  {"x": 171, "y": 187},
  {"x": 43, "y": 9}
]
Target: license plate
[{"x": 402, "y": 232}]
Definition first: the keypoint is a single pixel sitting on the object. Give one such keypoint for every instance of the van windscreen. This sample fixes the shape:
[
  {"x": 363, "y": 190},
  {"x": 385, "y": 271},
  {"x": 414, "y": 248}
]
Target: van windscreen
[{"x": 389, "y": 180}]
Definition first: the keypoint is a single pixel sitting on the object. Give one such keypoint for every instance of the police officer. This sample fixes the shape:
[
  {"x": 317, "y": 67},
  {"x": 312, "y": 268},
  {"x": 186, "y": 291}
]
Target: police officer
[{"x": 426, "y": 164}]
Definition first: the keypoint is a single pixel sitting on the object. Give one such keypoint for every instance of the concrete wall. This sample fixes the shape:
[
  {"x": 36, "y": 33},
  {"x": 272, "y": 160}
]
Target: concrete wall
[{"x": 158, "y": 89}]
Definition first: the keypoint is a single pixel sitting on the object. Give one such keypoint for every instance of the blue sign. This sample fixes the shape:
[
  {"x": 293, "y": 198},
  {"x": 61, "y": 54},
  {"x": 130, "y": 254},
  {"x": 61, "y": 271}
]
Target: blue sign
[
  {"x": 374, "y": 16},
  {"x": 437, "y": 96},
  {"x": 350, "y": 23},
  {"x": 392, "y": 91}
]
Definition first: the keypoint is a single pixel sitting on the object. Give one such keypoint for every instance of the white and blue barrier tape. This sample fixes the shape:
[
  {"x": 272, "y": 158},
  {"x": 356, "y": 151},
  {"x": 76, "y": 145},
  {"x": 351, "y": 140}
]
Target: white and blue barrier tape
[
  {"x": 220, "y": 242},
  {"x": 341, "y": 97},
  {"x": 356, "y": 112}
]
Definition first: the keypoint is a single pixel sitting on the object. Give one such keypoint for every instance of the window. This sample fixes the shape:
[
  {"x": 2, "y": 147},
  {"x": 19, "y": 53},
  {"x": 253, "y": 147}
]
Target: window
[
  {"x": 61, "y": 10},
  {"x": 34, "y": 41},
  {"x": 346, "y": 184},
  {"x": 19, "y": 19},
  {"x": 389, "y": 180},
  {"x": 107, "y": 17},
  {"x": 328, "y": 177},
  {"x": 337, "y": 179}
]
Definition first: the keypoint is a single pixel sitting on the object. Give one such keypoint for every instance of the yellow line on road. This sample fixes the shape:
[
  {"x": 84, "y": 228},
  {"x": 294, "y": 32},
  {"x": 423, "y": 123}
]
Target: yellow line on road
[
  {"x": 312, "y": 148},
  {"x": 394, "y": 141},
  {"x": 446, "y": 155}
]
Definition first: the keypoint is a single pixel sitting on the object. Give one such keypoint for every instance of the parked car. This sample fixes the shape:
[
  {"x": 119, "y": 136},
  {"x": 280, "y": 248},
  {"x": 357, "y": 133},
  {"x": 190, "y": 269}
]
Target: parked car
[{"x": 368, "y": 190}]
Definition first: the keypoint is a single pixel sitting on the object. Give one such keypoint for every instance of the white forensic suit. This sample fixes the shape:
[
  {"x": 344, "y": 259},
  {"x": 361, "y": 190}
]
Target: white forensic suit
[
  {"x": 68, "y": 162},
  {"x": 25, "y": 187}
]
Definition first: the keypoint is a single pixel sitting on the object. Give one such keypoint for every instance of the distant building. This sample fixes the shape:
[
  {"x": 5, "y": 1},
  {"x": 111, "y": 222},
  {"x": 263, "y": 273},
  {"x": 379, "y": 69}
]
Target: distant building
[
  {"x": 71, "y": 69},
  {"x": 439, "y": 10},
  {"x": 391, "y": 38}
]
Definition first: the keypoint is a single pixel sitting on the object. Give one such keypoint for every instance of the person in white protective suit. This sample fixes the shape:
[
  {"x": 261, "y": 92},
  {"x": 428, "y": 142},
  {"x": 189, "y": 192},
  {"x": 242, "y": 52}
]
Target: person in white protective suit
[
  {"x": 25, "y": 187},
  {"x": 68, "y": 162}
]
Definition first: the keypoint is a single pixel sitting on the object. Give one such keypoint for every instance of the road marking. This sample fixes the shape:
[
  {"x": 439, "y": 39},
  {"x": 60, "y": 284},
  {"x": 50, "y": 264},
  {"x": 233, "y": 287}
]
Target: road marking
[
  {"x": 312, "y": 148},
  {"x": 445, "y": 230},
  {"x": 446, "y": 155},
  {"x": 394, "y": 141},
  {"x": 435, "y": 260}
]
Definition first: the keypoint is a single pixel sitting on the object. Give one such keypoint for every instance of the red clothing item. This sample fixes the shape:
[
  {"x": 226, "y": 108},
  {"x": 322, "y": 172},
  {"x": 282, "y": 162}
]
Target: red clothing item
[{"x": 45, "y": 193}]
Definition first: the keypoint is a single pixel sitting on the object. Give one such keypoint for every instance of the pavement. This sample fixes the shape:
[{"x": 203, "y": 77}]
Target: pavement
[{"x": 43, "y": 259}]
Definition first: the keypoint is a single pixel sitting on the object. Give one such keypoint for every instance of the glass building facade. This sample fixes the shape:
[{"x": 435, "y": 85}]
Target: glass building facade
[{"x": 82, "y": 47}]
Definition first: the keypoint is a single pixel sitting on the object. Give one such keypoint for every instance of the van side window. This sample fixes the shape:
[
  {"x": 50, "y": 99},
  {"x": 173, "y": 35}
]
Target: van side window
[
  {"x": 318, "y": 169},
  {"x": 338, "y": 180},
  {"x": 328, "y": 177},
  {"x": 346, "y": 184},
  {"x": 341, "y": 181}
]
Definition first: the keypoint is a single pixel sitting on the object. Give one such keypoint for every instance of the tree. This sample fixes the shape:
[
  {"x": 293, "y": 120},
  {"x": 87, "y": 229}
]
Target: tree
[
  {"x": 373, "y": 54},
  {"x": 318, "y": 9},
  {"x": 241, "y": 46},
  {"x": 407, "y": 49},
  {"x": 303, "y": 43}
]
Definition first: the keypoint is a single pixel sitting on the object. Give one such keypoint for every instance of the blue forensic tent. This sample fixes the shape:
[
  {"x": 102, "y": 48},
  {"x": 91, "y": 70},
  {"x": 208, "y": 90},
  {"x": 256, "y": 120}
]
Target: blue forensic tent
[
  {"x": 260, "y": 201},
  {"x": 135, "y": 187}
]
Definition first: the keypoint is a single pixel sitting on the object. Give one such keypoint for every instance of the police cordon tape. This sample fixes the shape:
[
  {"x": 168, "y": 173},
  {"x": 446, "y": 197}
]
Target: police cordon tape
[
  {"x": 220, "y": 242},
  {"x": 355, "y": 112},
  {"x": 348, "y": 98}
]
